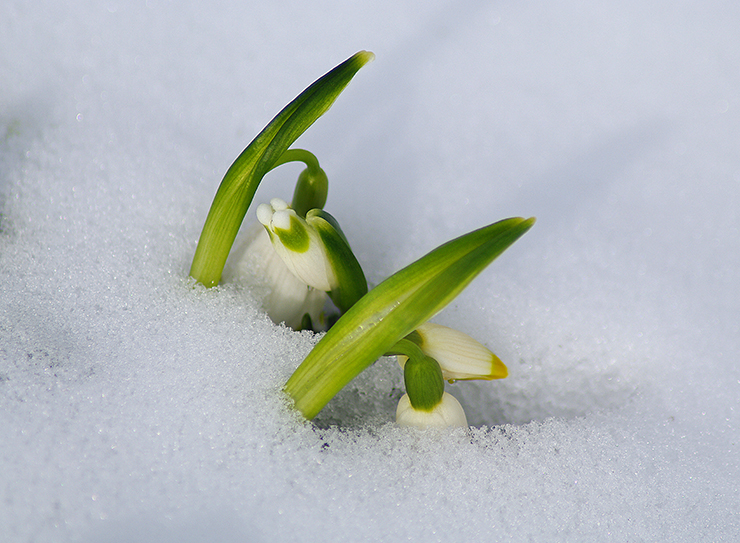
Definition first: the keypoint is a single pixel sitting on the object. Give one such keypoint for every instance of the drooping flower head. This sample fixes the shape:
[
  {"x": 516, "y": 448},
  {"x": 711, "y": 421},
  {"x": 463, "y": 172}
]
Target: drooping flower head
[
  {"x": 425, "y": 404},
  {"x": 460, "y": 356},
  {"x": 285, "y": 298},
  {"x": 315, "y": 250},
  {"x": 298, "y": 244}
]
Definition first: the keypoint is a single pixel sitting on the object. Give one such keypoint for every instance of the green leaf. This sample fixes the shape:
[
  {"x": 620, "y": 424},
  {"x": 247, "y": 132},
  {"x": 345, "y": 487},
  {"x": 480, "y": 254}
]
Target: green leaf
[
  {"x": 393, "y": 309},
  {"x": 237, "y": 189}
]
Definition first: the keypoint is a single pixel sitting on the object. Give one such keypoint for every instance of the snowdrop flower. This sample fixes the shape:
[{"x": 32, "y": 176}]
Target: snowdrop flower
[
  {"x": 385, "y": 320},
  {"x": 460, "y": 356},
  {"x": 448, "y": 412},
  {"x": 425, "y": 403},
  {"x": 300, "y": 254},
  {"x": 315, "y": 250},
  {"x": 298, "y": 244},
  {"x": 284, "y": 297},
  {"x": 269, "y": 149}
]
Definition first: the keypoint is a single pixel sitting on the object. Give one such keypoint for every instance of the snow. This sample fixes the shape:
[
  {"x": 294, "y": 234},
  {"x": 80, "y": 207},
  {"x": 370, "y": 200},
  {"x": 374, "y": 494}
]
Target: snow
[{"x": 137, "y": 407}]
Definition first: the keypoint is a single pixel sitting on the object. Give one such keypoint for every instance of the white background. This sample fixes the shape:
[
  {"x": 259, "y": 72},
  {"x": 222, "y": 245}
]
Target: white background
[{"x": 134, "y": 407}]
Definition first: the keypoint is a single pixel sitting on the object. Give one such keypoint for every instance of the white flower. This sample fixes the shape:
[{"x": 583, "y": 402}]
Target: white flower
[
  {"x": 448, "y": 412},
  {"x": 284, "y": 297},
  {"x": 460, "y": 356},
  {"x": 298, "y": 244}
]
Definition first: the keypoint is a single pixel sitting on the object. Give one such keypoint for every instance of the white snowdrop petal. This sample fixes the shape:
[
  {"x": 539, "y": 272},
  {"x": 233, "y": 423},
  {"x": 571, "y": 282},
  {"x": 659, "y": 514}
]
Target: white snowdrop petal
[
  {"x": 304, "y": 255},
  {"x": 264, "y": 214},
  {"x": 278, "y": 204},
  {"x": 281, "y": 219},
  {"x": 460, "y": 356},
  {"x": 448, "y": 412}
]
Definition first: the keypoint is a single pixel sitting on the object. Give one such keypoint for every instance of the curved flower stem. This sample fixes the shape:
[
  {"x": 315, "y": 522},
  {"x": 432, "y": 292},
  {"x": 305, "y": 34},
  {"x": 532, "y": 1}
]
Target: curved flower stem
[
  {"x": 405, "y": 347},
  {"x": 298, "y": 155},
  {"x": 312, "y": 187}
]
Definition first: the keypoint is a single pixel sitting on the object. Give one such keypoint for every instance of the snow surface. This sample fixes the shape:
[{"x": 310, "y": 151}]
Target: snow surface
[{"x": 134, "y": 407}]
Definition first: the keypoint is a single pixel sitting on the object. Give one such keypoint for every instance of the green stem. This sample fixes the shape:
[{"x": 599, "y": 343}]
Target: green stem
[
  {"x": 405, "y": 347},
  {"x": 299, "y": 155},
  {"x": 312, "y": 186},
  {"x": 311, "y": 190}
]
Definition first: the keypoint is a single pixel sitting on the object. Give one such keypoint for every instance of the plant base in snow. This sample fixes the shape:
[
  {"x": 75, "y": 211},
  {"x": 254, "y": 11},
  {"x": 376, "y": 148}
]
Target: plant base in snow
[{"x": 306, "y": 259}]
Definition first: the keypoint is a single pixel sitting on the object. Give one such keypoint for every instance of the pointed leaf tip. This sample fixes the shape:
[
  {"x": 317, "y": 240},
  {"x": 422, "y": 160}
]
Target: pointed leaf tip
[{"x": 365, "y": 56}]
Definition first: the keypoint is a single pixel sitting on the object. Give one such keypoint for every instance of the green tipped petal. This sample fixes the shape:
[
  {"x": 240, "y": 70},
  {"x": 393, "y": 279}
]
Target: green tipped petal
[
  {"x": 396, "y": 307},
  {"x": 299, "y": 244},
  {"x": 237, "y": 189},
  {"x": 293, "y": 234},
  {"x": 351, "y": 281},
  {"x": 315, "y": 250}
]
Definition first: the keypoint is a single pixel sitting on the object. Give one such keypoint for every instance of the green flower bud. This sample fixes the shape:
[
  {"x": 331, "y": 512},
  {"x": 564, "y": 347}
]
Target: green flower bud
[{"x": 424, "y": 384}]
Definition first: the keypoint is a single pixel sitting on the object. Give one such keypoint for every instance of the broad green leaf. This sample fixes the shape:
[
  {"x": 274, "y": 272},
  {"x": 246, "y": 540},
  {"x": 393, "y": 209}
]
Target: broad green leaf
[
  {"x": 393, "y": 309},
  {"x": 237, "y": 189}
]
